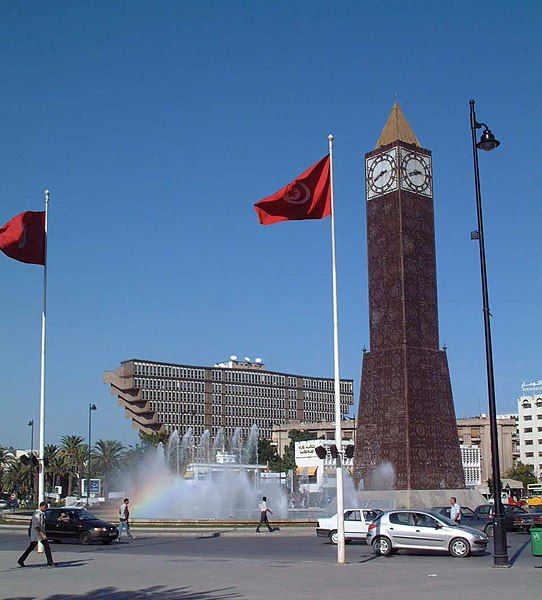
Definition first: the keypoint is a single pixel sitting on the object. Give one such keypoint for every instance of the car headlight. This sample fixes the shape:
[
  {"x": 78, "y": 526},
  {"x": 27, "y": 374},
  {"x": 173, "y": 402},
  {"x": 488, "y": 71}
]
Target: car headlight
[{"x": 100, "y": 528}]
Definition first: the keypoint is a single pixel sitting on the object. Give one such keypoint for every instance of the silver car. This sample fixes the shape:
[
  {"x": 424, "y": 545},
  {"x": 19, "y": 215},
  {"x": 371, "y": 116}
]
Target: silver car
[{"x": 423, "y": 530}]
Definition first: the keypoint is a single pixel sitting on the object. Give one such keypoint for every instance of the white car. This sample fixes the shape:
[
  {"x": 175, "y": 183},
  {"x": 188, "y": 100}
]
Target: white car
[{"x": 356, "y": 524}]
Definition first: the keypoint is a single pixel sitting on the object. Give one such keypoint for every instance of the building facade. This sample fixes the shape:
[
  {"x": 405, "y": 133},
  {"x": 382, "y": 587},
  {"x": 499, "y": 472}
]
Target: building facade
[
  {"x": 164, "y": 397},
  {"x": 475, "y": 432},
  {"x": 473, "y": 435},
  {"x": 530, "y": 426},
  {"x": 406, "y": 403}
]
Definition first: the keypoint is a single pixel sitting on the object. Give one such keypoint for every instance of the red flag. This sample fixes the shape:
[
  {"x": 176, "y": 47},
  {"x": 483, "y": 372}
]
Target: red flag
[
  {"x": 307, "y": 197},
  {"x": 23, "y": 238}
]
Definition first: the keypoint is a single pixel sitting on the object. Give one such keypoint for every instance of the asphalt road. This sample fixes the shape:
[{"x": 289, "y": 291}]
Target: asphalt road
[{"x": 269, "y": 566}]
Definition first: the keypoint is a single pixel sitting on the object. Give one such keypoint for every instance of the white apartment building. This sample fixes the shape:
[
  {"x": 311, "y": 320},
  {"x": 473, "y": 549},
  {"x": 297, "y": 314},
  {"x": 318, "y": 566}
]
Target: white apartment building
[{"x": 530, "y": 425}]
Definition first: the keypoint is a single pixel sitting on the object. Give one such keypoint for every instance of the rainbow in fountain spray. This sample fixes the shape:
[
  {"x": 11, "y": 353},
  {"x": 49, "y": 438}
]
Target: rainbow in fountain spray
[{"x": 161, "y": 491}]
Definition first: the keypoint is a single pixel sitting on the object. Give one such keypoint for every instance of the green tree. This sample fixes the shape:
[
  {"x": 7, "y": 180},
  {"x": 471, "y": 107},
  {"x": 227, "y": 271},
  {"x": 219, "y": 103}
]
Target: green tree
[
  {"x": 72, "y": 446},
  {"x": 295, "y": 435},
  {"x": 154, "y": 438},
  {"x": 107, "y": 459},
  {"x": 523, "y": 473},
  {"x": 268, "y": 455},
  {"x": 6, "y": 459},
  {"x": 18, "y": 478}
]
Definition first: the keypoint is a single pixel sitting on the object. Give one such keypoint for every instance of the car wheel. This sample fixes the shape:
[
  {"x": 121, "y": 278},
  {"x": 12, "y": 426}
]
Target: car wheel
[
  {"x": 382, "y": 546},
  {"x": 85, "y": 538},
  {"x": 334, "y": 537},
  {"x": 489, "y": 530},
  {"x": 459, "y": 548}
]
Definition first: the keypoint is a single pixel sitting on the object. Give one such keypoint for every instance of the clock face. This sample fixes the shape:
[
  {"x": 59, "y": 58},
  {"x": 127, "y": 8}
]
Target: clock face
[
  {"x": 416, "y": 172},
  {"x": 381, "y": 173}
]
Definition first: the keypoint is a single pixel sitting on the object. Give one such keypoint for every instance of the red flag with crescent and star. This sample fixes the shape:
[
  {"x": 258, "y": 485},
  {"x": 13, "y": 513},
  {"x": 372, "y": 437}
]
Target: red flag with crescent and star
[
  {"x": 306, "y": 197},
  {"x": 23, "y": 238}
]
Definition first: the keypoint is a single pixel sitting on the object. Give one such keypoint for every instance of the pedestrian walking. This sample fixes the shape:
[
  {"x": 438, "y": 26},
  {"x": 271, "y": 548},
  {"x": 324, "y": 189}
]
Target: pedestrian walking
[
  {"x": 124, "y": 519},
  {"x": 263, "y": 515},
  {"x": 455, "y": 510},
  {"x": 36, "y": 531}
]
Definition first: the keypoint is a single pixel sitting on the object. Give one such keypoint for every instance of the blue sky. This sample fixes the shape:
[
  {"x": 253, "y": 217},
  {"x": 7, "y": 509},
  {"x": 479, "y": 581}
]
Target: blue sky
[{"x": 157, "y": 125}]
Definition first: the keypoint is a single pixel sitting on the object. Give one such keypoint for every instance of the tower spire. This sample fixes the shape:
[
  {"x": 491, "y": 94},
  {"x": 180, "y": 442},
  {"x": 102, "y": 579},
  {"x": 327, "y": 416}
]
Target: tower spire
[{"x": 397, "y": 128}]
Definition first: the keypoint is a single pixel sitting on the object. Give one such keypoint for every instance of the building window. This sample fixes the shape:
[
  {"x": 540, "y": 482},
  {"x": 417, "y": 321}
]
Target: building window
[
  {"x": 528, "y": 429},
  {"x": 528, "y": 442},
  {"x": 529, "y": 454},
  {"x": 527, "y": 418}
]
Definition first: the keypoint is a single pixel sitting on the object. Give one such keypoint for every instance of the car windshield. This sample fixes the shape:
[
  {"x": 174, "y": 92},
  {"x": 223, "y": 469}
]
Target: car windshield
[
  {"x": 85, "y": 515},
  {"x": 448, "y": 522}
]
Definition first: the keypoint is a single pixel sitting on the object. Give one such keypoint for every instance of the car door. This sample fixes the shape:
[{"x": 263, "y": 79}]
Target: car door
[
  {"x": 353, "y": 525},
  {"x": 72, "y": 526},
  {"x": 51, "y": 523},
  {"x": 401, "y": 529},
  {"x": 429, "y": 533}
]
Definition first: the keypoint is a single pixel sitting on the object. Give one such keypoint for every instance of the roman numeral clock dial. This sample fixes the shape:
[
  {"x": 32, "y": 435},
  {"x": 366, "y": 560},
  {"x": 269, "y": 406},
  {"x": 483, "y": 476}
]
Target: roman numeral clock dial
[
  {"x": 381, "y": 173},
  {"x": 416, "y": 172}
]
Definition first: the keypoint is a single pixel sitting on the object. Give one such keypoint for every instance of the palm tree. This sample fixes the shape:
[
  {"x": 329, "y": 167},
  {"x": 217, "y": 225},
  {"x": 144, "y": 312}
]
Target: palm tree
[
  {"x": 107, "y": 458},
  {"x": 71, "y": 450},
  {"x": 17, "y": 478},
  {"x": 6, "y": 459}
]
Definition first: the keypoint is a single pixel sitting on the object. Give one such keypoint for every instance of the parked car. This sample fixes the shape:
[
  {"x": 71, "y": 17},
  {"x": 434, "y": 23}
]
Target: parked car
[
  {"x": 423, "y": 530},
  {"x": 78, "y": 524},
  {"x": 468, "y": 518},
  {"x": 528, "y": 519},
  {"x": 510, "y": 513},
  {"x": 356, "y": 523}
]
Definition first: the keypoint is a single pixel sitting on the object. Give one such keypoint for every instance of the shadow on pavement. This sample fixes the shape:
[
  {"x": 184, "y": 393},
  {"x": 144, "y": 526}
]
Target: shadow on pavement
[
  {"x": 518, "y": 552},
  {"x": 158, "y": 591}
]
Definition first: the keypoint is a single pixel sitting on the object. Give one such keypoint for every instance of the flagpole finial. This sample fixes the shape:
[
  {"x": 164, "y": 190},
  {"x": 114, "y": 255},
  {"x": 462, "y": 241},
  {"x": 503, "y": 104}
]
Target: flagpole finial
[{"x": 330, "y": 137}]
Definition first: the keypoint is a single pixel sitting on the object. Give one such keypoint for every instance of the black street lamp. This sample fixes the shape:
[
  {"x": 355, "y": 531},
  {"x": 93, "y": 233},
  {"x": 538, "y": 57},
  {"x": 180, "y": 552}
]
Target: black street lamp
[
  {"x": 91, "y": 407},
  {"x": 489, "y": 142}
]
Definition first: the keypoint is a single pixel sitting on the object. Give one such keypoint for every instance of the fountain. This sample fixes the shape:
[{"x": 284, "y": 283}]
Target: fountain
[{"x": 217, "y": 479}]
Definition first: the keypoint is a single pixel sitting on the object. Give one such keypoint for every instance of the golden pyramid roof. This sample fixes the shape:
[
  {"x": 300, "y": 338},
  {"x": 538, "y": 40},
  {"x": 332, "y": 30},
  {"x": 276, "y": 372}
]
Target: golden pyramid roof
[{"x": 397, "y": 128}]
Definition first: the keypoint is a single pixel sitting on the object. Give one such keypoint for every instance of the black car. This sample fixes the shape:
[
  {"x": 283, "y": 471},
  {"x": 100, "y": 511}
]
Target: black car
[
  {"x": 510, "y": 515},
  {"x": 468, "y": 517},
  {"x": 78, "y": 524},
  {"x": 528, "y": 519}
]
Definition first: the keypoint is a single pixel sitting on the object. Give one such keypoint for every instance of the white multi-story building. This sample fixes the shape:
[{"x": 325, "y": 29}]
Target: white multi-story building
[
  {"x": 530, "y": 426},
  {"x": 471, "y": 458}
]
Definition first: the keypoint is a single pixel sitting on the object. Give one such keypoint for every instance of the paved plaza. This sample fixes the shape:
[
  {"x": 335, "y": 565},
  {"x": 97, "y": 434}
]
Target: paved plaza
[{"x": 216, "y": 565}]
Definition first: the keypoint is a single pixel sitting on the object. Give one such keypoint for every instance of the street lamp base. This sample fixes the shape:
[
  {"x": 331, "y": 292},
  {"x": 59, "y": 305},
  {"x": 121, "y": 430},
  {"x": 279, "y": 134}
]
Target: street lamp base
[{"x": 501, "y": 562}]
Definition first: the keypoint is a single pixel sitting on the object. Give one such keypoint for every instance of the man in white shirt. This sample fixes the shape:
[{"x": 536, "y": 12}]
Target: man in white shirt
[
  {"x": 263, "y": 515},
  {"x": 455, "y": 510}
]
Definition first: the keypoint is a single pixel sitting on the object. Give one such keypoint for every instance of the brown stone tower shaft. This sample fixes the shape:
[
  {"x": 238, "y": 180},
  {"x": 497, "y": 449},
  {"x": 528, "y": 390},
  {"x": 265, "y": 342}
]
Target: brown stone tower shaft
[{"x": 406, "y": 413}]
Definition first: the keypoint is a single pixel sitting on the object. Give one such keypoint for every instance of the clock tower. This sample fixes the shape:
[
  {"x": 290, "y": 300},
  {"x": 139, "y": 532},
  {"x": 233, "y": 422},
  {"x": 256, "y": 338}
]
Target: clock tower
[{"x": 406, "y": 414}]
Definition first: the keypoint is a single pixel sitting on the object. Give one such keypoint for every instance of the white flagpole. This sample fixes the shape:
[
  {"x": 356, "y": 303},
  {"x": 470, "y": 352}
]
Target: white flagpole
[
  {"x": 341, "y": 558},
  {"x": 41, "y": 486}
]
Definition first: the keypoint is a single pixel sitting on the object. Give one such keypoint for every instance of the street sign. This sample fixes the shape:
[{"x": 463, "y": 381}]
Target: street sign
[{"x": 95, "y": 487}]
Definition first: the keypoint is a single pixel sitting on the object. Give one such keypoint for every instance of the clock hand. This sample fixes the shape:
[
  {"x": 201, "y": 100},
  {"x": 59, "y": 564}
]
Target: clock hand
[
  {"x": 415, "y": 172},
  {"x": 379, "y": 176}
]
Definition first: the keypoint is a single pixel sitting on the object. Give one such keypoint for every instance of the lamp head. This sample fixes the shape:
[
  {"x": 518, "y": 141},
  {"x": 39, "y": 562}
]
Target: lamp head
[
  {"x": 488, "y": 141},
  {"x": 92, "y": 407}
]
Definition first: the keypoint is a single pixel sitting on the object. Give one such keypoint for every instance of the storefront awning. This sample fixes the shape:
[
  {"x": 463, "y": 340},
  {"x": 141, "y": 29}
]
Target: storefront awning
[{"x": 310, "y": 471}]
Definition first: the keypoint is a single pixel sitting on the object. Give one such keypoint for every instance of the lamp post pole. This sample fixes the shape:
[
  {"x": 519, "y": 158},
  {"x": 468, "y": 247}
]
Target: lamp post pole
[
  {"x": 488, "y": 142},
  {"x": 91, "y": 407},
  {"x": 31, "y": 425}
]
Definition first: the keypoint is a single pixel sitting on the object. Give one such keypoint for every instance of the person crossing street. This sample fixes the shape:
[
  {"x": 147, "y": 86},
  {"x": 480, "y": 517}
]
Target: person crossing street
[{"x": 36, "y": 531}]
